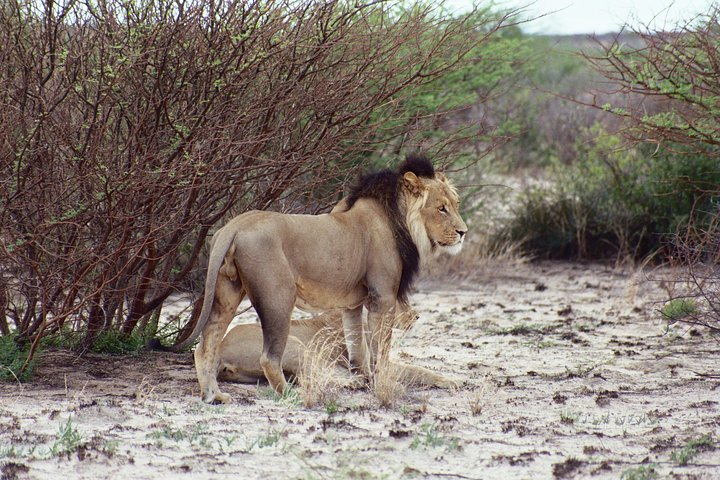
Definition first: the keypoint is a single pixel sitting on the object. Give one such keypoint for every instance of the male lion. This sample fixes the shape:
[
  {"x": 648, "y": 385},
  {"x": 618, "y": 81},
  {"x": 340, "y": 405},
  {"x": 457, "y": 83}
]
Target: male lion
[
  {"x": 366, "y": 252},
  {"x": 241, "y": 349}
]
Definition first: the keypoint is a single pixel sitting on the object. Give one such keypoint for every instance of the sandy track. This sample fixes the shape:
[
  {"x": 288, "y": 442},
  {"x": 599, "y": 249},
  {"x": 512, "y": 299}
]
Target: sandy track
[{"x": 569, "y": 375}]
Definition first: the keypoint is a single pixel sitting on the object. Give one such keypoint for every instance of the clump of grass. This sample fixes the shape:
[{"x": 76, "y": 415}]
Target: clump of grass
[
  {"x": 12, "y": 358},
  {"x": 290, "y": 396},
  {"x": 568, "y": 418},
  {"x": 319, "y": 378},
  {"x": 385, "y": 382},
  {"x": 477, "y": 397},
  {"x": 526, "y": 329},
  {"x": 686, "y": 454},
  {"x": 268, "y": 439},
  {"x": 429, "y": 436},
  {"x": 679, "y": 309},
  {"x": 331, "y": 407},
  {"x": 645, "y": 472},
  {"x": 196, "y": 434}
]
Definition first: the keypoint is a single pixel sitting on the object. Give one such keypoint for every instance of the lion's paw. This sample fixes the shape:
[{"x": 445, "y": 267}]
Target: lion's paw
[
  {"x": 447, "y": 383},
  {"x": 217, "y": 398}
]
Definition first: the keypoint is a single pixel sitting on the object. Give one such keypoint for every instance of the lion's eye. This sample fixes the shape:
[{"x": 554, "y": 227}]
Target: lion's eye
[{"x": 443, "y": 209}]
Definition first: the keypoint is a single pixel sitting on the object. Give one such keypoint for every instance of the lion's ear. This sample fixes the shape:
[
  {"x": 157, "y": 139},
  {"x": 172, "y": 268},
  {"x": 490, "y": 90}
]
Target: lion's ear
[{"x": 412, "y": 183}]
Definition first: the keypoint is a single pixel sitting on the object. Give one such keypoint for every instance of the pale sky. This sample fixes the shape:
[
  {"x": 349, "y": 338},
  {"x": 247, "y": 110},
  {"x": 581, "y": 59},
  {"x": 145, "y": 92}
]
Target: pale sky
[{"x": 593, "y": 16}]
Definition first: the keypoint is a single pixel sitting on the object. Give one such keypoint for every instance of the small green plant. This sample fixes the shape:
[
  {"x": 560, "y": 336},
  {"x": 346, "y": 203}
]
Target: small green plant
[
  {"x": 110, "y": 447},
  {"x": 290, "y": 396},
  {"x": 331, "y": 407},
  {"x": 68, "y": 439},
  {"x": 430, "y": 437},
  {"x": 268, "y": 439},
  {"x": 568, "y": 418},
  {"x": 679, "y": 308},
  {"x": 168, "y": 411},
  {"x": 12, "y": 359},
  {"x": 686, "y": 454},
  {"x": 169, "y": 433},
  {"x": 645, "y": 472},
  {"x": 197, "y": 433}
]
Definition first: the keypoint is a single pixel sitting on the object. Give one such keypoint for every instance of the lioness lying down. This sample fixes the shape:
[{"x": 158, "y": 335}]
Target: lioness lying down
[{"x": 242, "y": 347}]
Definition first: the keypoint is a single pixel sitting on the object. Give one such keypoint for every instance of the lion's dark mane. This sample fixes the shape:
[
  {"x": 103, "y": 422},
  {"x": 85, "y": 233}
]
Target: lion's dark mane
[{"x": 384, "y": 187}]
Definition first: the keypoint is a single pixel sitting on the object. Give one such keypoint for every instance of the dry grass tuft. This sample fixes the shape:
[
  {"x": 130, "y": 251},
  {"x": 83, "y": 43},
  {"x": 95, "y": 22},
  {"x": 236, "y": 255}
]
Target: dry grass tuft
[
  {"x": 145, "y": 391},
  {"x": 325, "y": 372},
  {"x": 385, "y": 384},
  {"x": 477, "y": 398},
  {"x": 320, "y": 376}
]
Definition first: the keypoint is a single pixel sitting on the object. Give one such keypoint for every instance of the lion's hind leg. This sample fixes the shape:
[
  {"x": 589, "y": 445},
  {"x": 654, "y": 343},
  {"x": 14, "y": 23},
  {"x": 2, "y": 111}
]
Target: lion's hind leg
[
  {"x": 274, "y": 301},
  {"x": 228, "y": 294}
]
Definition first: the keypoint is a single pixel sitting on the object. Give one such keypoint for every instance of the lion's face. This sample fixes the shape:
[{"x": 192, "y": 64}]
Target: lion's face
[{"x": 434, "y": 207}]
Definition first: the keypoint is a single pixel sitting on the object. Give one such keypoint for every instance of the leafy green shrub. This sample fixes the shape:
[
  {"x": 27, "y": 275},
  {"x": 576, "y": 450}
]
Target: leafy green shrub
[
  {"x": 12, "y": 359},
  {"x": 115, "y": 342},
  {"x": 615, "y": 200}
]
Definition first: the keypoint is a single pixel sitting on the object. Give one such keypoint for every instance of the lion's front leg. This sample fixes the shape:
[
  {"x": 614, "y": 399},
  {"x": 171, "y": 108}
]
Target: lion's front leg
[
  {"x": 378, "y": 335},
  {"x": 354, "y": 341},
  {"x": 228, "y": 295}
]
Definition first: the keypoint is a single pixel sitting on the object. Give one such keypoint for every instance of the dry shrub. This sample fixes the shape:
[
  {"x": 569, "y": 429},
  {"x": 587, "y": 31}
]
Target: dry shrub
[{"x": 130, "y": 129}]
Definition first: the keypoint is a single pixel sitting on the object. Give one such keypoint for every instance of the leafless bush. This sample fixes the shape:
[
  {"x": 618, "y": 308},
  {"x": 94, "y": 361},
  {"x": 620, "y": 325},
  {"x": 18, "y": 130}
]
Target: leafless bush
[{"x": 130, "y": 129}]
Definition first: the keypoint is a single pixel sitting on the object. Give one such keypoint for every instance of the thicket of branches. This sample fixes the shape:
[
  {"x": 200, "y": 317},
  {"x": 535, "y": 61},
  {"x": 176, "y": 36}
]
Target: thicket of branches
[
  {"x": 128, "y": 130},
  {"x": 678, "y": 74}
]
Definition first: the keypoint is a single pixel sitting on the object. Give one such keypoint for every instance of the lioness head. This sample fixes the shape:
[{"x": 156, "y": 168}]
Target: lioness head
[{"x": 433, "y": 215}]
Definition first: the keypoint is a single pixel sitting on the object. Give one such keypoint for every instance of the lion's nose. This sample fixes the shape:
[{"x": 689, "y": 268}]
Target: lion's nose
[{"x": 461, "y": 233}]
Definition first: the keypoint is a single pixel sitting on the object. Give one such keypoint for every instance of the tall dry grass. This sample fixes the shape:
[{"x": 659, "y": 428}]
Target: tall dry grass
[
  {"x": 324, "y": 368},
  {"x": 386, "y": 382}
]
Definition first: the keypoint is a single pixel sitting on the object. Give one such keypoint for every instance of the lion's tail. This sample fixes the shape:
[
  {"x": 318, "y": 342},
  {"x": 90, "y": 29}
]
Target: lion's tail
[{"x": 222, "y": 242}]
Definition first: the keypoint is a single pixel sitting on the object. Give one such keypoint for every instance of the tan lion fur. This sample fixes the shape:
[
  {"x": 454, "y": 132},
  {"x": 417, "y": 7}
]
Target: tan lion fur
[
  {"x": 363, "y": 254},
  {"x": 241, "y": 350}
]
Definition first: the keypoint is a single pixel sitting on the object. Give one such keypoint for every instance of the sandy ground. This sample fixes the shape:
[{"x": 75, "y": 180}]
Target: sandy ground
[{"x": 569, "y": 374}]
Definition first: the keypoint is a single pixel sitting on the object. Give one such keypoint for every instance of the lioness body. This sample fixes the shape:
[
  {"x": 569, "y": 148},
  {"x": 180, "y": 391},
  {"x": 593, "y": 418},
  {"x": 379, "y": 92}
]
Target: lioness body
[
  {"x": 362, "y": 254},
  {"x": 242, "y": 347}
]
